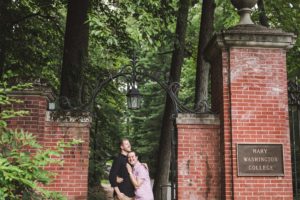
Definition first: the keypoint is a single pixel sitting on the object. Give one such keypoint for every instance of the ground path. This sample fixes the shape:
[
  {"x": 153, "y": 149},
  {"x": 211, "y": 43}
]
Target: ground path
[{"x": 108, "y": 191}]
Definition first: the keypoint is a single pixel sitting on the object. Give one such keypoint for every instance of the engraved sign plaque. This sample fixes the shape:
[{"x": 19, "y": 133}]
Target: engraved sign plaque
[{"x": 260, "y": 160}]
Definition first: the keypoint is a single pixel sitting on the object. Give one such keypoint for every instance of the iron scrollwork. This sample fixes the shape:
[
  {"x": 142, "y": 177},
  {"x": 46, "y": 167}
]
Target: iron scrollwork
[
  {"x": 136, "y": 73},
  {"x": 132, "y": 74},
  {"x": 294, "y": 92}
]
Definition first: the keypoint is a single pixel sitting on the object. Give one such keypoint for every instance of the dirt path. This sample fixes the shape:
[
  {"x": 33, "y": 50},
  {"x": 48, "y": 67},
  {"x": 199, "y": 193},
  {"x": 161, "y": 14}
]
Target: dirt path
[{"x": 108, "y": 191}]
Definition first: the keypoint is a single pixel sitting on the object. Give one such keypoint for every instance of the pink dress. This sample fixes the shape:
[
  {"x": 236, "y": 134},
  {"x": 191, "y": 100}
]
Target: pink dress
[{"x": 144, "y": 192}]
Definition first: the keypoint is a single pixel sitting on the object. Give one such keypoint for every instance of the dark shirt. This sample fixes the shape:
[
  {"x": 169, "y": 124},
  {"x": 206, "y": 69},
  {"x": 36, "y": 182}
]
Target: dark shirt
[{"x": 119, "y": 169}]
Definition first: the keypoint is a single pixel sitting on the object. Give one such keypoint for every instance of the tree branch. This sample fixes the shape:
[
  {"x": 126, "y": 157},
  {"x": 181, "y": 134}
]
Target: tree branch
[
  {"x": 24, "y": 18},
  {"x": 38, "y": 14}
]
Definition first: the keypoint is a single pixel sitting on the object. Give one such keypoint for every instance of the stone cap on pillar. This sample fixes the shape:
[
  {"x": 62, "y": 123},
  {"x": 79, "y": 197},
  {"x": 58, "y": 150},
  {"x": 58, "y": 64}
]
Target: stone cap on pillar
[
  {"x": 39, "y": 88},
  {"x": 74, "y": 116},
  {"x": 188, "y": 118},
  {"x": 249, "y": 35}
]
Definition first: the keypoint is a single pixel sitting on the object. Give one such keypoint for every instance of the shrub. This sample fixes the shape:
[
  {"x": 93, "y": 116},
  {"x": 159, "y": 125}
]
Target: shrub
[{"x": 21, "y": 171}]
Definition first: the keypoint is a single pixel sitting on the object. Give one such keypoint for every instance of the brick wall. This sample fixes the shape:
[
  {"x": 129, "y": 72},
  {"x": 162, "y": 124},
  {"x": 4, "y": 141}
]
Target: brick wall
[
  {"x": 249, "y": 75},
  {"x": 198, "y": 157},
  {"x": 35, "y": 102},
  {"x": 72, "y": 177},
  {"x": 259, "y": 114},
  {"x": 253, "y": 109},
  {"x": 50, "y": 127}
]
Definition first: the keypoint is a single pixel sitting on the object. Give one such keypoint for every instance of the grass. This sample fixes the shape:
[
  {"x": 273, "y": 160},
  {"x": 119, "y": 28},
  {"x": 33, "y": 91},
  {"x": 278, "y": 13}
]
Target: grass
[{"x": 104, "y": 181}]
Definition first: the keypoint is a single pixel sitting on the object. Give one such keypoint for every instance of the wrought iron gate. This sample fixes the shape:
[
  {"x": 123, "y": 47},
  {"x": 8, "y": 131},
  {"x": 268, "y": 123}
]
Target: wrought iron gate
[{"x": 294, "y": 120}]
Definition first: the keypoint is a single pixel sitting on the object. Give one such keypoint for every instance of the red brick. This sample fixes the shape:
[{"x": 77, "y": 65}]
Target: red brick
[
  {"x": 198, "y": 161},
  {"x": 73, "y": 171},
  {"x": 258, "y": 115}
]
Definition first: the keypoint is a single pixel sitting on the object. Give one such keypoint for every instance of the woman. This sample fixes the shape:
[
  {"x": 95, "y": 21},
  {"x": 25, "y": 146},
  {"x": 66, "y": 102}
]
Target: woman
[{"x": 139, "y": 176}]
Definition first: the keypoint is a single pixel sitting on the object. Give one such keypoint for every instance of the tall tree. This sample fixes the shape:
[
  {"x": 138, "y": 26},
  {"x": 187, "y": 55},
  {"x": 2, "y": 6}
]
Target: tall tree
[
  {"x": 75, "y": 53},
  {"x": 30, "y": 38},
  {"x": 4, "y": 29},
  {"x": 285, "y": 15},
  {"x": 163, "y": 164},
  {"x": 202, "y": 70}
]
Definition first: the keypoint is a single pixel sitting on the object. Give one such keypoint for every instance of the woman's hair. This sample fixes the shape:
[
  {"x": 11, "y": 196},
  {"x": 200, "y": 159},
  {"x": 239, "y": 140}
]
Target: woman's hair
[{"x": 135, "y": 153}]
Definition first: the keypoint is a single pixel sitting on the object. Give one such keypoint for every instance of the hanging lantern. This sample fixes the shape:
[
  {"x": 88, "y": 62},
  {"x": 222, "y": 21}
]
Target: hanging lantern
[{"x": 133, "y": 98}]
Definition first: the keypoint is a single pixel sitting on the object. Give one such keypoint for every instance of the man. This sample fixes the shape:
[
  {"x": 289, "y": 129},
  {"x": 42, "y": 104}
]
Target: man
[
  {"x": 123, "y": 190},
  {"x": 139, "y": 176}
]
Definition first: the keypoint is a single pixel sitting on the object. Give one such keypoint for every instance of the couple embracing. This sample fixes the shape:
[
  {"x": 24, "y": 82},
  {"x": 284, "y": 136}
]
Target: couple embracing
[{"x": 128, "y": 177}]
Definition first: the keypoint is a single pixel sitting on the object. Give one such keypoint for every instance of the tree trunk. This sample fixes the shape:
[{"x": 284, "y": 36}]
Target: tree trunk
[
  {"x": 2, "y": 61},
  {"x": 202, "y": 70},
  {"x": 5, "y": 28},
  {"x": 263, "y": 19},
  {"x": 75, "y": 53},
  {"x": 163, "y": 163}
]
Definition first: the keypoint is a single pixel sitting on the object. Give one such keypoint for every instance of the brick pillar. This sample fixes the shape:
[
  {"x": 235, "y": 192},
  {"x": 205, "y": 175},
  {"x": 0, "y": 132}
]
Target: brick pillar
[
  {"x": 35, "y": 101},
  {"x": 198, "y": 157},
  {"x": 51, "y": 127},
  {"x": 249, "y": 90},
  {"x": 71, "y": 178}
]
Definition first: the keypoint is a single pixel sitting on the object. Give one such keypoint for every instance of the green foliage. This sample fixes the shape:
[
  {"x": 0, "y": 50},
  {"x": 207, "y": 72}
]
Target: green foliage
[
  {"x": 22, "y": 171},
  {"x": 106, "y": 131},
  {"x": 225, "y": 15},
  {"x": 286, "y": 15},
  {"x": 31, "y": 38},
  {"x": 144, "y": 124},
  {"x": 5, "y": 100},
  {"x": 281, "y": 14},
  {"x": 137, "y": 28}
]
